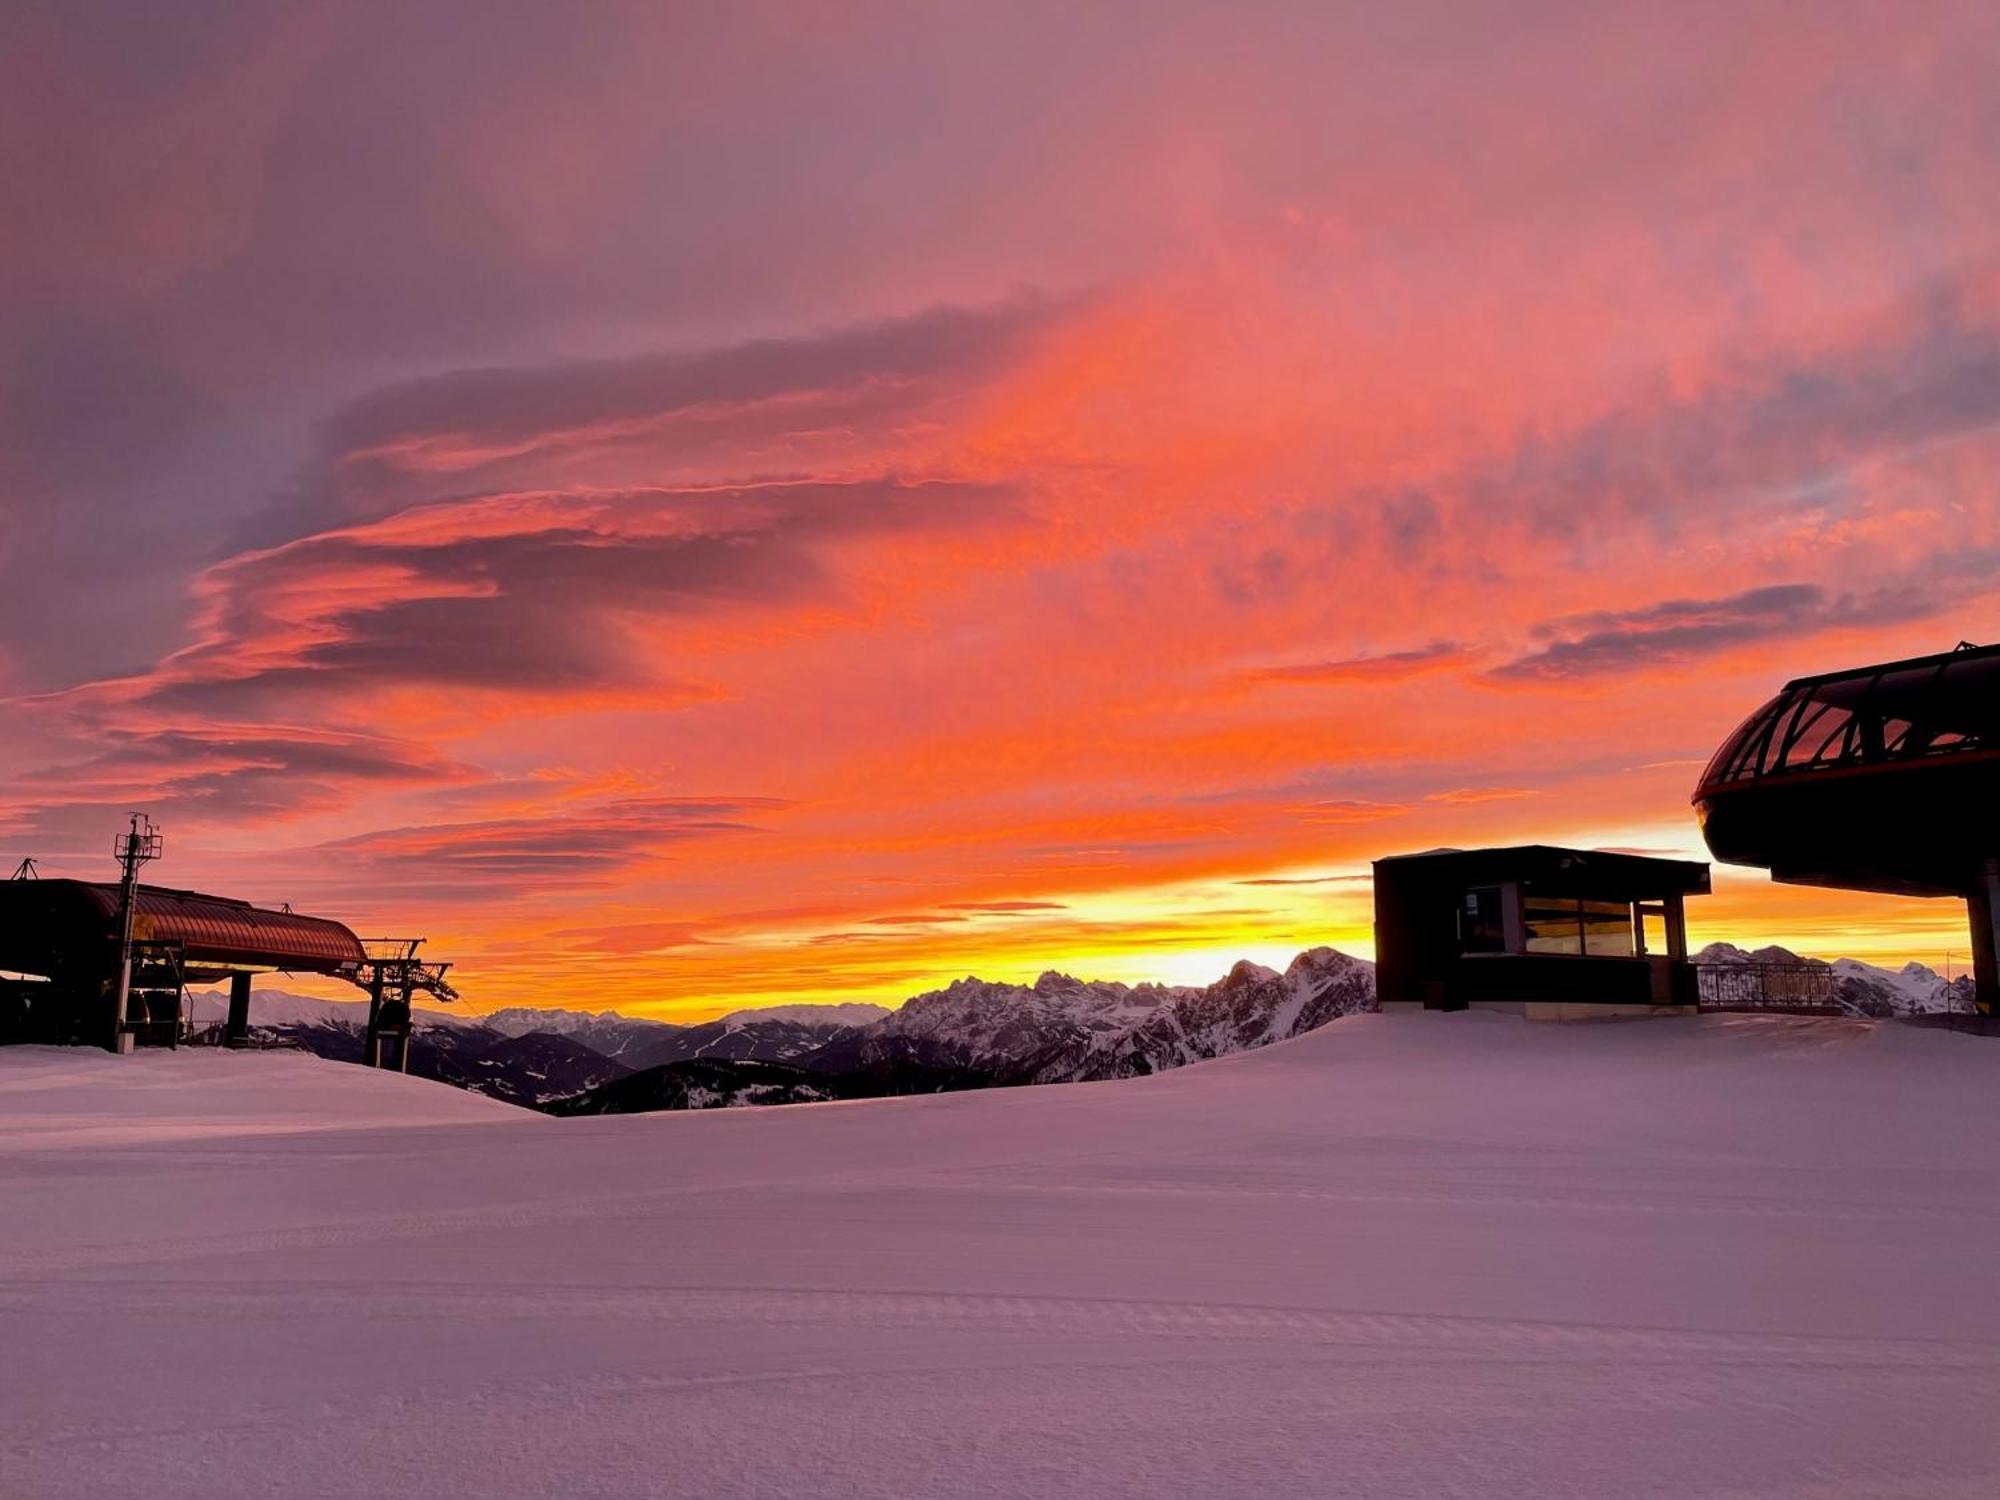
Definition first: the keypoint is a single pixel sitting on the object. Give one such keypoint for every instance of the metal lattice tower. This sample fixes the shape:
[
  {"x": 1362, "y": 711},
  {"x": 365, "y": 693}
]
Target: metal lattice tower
[{"x": 138, "y": 846}]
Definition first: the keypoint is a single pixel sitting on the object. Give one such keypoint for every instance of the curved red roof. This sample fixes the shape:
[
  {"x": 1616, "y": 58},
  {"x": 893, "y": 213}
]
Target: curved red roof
[{"x": 211, "y": 930}]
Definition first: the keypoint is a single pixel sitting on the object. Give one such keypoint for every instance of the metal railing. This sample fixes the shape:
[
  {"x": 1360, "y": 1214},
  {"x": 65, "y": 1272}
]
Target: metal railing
[
  {"x": 1810, "y": 989},
  {"x": 1797, "y": 989}
]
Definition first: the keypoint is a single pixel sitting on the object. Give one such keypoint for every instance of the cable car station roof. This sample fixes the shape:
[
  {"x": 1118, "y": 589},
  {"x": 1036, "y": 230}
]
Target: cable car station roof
[
  {"x": 50, "y": 925},
  {"x": 1878, "y": 778},
  {"x": 1899, "y": 711}
]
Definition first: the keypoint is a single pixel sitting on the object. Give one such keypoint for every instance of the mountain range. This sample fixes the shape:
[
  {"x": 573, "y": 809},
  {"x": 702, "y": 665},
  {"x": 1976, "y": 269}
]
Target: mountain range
[{"x": 971, "y": 1034}]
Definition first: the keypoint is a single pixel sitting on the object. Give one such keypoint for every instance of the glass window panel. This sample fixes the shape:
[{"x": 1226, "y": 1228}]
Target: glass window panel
[
  {"x": 1771, "y": 754},
  {"x": 1480, "y": 929},
  {"x": 1837, "y": 743},
  {"x": 1737, "y": 759},
  {"x": 1554, "y": 924},
  {"x": 1819, "y": 729},
  {"x": 1607, "y": 929}
]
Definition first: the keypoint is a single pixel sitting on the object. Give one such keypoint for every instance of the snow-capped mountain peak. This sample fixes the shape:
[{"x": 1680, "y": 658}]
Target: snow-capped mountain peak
[
  {"x": 1915, "y": 988},
  {"x": 1065, "y": 1028},
  {"x": 610, "y": 1032},
  {"x": 816, "y": 1017},
  {"x": 1247, "y": 971}
]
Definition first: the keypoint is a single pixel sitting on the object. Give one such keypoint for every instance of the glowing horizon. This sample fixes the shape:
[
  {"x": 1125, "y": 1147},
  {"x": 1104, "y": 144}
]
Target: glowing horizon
[{"x": 930, "y": 491}]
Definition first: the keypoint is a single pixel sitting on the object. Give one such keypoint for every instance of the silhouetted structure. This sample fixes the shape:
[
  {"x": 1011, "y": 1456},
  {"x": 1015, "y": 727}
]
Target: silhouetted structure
[
  {"x": 69, "y": 949},
  {"x": 1882, "y": 778},
  {"x": 1548, "y": 931}
]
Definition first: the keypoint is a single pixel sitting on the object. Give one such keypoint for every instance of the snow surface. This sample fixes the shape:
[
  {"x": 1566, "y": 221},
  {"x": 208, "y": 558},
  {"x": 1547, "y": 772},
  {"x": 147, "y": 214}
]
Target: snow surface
[
  {"x": 608, "y": 1031},
  {"x": 68, "y": 1097},
  {"x": 1398, "y": 1256}
]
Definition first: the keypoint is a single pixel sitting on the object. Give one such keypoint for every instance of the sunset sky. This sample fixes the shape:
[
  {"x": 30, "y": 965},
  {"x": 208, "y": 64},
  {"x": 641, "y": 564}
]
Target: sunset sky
[{"x": 687, "y": 505}]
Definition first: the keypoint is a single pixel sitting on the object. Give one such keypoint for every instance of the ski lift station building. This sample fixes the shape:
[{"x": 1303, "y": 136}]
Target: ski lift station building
[
  {"x": 1546, "y": 931},
  {"x": 61, "y": 953},
  {"x": 1882, "y": 778}
]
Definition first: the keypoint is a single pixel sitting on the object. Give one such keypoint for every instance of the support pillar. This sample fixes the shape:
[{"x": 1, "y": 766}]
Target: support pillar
[
  {"x": 237, "y": 1032},
  {"x": 1676, "y": 925},
  {"x": 1983, "y": 906},
  {"x": 371, "y": 1048},
  {"x": 121, "y": 1039},
  {"x": 403, "y": 1039}
]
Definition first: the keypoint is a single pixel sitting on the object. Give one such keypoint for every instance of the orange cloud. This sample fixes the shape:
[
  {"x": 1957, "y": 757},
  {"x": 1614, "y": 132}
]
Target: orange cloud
[
  {"x": 1389, "y": 666},
  {"x": 734, "y": 591}
]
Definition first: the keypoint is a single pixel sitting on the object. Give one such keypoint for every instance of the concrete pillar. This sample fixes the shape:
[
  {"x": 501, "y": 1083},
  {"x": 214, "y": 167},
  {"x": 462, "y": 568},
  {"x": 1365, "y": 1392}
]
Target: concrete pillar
[
  {"x": 237, "y": 1031},
  {"x": 1983, "y": 906}
]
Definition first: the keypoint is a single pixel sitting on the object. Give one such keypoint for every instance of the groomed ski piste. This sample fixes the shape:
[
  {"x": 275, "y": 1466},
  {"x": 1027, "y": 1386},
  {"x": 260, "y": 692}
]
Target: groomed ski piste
[{"x": 1401, "y": 1256}]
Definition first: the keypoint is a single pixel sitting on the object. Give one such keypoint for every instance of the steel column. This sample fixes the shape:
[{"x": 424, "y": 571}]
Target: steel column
[
  {"x": 1983, "y": 906},
  {"x": 237, "y": 1032}
]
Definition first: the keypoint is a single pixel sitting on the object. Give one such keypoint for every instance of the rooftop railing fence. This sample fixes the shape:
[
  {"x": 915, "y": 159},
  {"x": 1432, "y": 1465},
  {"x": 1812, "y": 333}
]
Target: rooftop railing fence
[{"x": 1801, "y": 989}]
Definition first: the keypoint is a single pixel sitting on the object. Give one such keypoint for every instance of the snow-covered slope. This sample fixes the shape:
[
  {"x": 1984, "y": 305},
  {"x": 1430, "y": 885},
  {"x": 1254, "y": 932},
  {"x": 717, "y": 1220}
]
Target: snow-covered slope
[
  {"x": 702, "y": 1083},
  {"x": 1251, "y": 1006},
  {"x": 607, "y": 1031},
  {"x": 77, "y": 1096},
  {"x": 1912, "y": 990},
  {"x": 1399, "y": 1256},
  {"x": 773, "y": 1033}
]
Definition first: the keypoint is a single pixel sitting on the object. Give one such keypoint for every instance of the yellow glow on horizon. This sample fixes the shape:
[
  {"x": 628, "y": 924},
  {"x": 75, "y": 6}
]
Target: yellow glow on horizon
[{"x": 1188, "y": 933}]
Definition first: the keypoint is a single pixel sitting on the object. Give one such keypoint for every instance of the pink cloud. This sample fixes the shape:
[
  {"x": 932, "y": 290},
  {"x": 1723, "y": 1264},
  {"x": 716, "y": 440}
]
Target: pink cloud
[{"x": 620, "y": 503}]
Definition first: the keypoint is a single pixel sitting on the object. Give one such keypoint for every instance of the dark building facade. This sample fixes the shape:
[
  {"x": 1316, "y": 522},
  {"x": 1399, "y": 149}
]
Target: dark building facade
[
  {"x": 1551, "y": 932},
  {"x": 60, "y": 957},
  {"x": 62, "y": 936},
  {"x": 1880, "y": 778}
]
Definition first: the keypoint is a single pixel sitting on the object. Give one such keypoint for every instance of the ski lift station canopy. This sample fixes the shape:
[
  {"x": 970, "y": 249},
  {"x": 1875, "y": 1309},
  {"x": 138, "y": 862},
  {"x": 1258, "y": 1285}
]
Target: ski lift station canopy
[
  {"x": 1880, "y": 778},
  {"x": 58, "y": 927}
]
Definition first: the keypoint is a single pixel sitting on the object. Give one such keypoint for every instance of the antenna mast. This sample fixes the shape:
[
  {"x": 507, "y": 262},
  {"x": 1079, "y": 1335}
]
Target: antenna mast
[{"x": 139, "y": 846}]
